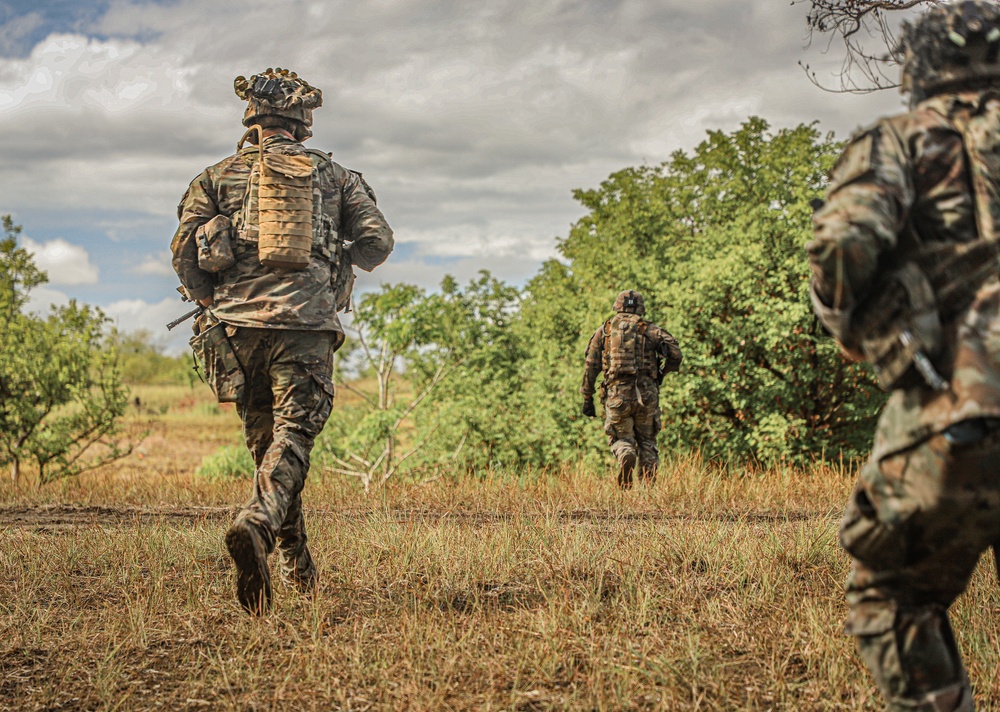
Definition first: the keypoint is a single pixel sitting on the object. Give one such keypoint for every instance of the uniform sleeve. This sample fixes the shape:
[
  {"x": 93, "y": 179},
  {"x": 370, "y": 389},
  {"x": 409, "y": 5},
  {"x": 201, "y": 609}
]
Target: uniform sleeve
[
  {"x": 196, "y": 208},
  {"x": 870, "y": 193},
  {"x": 594, "y": 363},
  {"x": 364, "y": 224},
  {"x": 667, "y": 346}
]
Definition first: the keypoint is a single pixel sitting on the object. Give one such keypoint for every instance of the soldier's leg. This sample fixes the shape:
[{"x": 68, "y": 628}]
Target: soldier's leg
[
  {"x": 303, "y": 398},
  {"x": 618, "y": 424},
  {"x": 915, "y": 526},
  {"x": 647, "y": 426},
  {"x": 295, "y": 562},
  {"x": 251, "y": 537}
]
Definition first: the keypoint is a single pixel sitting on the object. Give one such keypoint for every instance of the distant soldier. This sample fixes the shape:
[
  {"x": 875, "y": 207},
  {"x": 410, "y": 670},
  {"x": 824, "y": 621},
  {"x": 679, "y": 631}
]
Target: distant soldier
[
  {"x": 634, "y": 355},
  {"x": 905, "y": 265},
  {"x": 267, "y": 241}
]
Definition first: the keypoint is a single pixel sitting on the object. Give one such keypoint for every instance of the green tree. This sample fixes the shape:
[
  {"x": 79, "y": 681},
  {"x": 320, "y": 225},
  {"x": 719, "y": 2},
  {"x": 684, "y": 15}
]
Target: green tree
[
  {"x": 61, "y": 397},
  {"x": 714, "y": 240},
  {"x": 143, "y": 361},
  {"x": 434, "y": 363}
]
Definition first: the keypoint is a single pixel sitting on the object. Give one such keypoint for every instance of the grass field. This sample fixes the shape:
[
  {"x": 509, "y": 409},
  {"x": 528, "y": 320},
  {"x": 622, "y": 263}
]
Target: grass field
[{"x": 713, "y": 590}]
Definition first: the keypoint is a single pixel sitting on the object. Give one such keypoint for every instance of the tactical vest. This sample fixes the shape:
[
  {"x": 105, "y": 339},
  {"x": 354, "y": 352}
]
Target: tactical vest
[
  {"x": 282, "y": 211},
  {"x": 933, "y": 282},
  {"x": 624, "y": 346}
]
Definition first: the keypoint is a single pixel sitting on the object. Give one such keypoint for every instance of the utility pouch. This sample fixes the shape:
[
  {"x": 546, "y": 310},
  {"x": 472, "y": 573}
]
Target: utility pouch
[
  {"x": 899, "y": 326},
  {"x": 343, "y": 282},
  {"x": 217, "y": 361},
  {"x": 215, "y": 244}
]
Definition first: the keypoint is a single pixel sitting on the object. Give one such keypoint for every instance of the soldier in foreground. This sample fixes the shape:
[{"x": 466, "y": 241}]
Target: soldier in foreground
[
  {"x": 266, "y": 243},
  {"x": 634, "y": 355},
  {"x": 905, "y": 275}
]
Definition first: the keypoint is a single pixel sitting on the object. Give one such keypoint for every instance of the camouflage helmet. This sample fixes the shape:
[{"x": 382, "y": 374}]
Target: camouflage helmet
[
  {"x": 951, "y": 46},
  {"x": 278, "y": 92},
  {"x": 630, "y": 301}
]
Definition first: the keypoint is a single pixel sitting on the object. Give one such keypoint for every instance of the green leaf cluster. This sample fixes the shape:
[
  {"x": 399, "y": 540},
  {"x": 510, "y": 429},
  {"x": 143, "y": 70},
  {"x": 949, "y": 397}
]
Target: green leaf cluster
[{"x": 61, "y": 396}]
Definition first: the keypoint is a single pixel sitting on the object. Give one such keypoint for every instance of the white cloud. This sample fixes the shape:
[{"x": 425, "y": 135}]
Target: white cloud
[
  {"x": 158, "y": 265},
  {"x": 64, "y": 263},
  {"x": 41, "y": 300},
  {"x": 472, "y": 121},
  {"x": 136, "y": 314}
]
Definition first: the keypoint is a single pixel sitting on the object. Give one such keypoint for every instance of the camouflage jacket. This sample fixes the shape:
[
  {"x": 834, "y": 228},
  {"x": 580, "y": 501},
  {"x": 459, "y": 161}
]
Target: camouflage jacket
[
  {"x": 910, "y": 185},
  {"x": 658, "y": 346},
  {"x": 250, "y": 294}
]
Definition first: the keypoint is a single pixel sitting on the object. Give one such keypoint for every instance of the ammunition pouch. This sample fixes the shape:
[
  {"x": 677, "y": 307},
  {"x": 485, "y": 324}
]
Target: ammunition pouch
[
  {"x": 899, "y": 323},
  {"x": 217, "y": 361},
  {"x": 215, "y": 244}
]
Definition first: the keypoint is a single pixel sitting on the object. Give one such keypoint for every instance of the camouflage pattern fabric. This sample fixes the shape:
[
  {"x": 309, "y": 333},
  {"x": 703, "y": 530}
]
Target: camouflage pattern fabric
[
  {"x": 288, "y": 399},
  {"x": 927, "y": 503},
  {"x": 631, "y": 403},
  {"x": 250, "y": 294}
]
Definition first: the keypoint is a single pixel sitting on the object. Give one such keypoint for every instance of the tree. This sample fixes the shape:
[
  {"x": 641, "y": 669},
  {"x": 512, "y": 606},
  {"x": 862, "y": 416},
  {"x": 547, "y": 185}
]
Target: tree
[
  {"x": 61, "y": 398},
  {"x": 427, "y": 362},
  {"x": 714, "y": 240},
  {"x": 869, "y": 41},
  {"x": 144, "y": 362}
]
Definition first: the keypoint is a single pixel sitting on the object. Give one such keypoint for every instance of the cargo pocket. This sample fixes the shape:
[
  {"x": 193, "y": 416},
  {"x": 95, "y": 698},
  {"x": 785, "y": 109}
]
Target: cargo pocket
[
  {"x": 217, "y": 361},
  {"x": 869, "y": 539},
  {"x": 323, "y": 404}
]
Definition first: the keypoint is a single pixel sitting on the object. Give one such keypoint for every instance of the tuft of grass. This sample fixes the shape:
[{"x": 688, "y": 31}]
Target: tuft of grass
[{"x": 231, "y": 462}]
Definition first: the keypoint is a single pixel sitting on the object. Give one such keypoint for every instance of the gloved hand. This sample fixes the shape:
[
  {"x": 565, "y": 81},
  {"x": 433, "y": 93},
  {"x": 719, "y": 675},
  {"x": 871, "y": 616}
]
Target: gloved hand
[{"x": 588, "y": 408}]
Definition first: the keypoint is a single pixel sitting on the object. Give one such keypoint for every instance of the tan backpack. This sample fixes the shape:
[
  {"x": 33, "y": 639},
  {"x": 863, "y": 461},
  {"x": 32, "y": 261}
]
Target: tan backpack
[{"x": 624, "y": 342}]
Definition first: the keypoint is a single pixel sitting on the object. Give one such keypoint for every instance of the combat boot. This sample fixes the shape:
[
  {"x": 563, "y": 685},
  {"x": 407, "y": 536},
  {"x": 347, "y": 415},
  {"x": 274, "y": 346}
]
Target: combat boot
[
  {"x": 297, "y": 568},
  {"x": 247, "y": 546},
  {"x": 625, "y": 473}
]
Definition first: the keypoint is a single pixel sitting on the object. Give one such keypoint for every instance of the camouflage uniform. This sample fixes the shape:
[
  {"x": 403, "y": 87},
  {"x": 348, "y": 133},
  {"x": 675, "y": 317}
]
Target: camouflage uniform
[
  {"x": 631, "y": 400},
  {"x": 904, "y": 272},
  {"x": 281, "y": 324}
]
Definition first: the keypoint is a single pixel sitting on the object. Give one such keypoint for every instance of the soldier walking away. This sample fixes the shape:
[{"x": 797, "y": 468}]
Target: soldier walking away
[
  {"x": 905, "y": 265},
  {"x": 634, "y": 355},
  {"x": 266, "y": 243}
]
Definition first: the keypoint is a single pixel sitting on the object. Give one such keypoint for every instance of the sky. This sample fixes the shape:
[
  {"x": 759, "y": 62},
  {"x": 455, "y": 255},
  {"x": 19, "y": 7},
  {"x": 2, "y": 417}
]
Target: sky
[{"x": 473, "y": 122}]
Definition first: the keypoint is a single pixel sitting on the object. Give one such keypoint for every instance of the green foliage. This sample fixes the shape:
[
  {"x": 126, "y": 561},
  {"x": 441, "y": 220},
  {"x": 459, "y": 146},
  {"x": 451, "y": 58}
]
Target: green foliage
[
  {"x": 144, "y": 363},
  {"x": 61, "y": 397},
  {"x": 714, "y": 240},
  {"x": 232, "y": 462}
]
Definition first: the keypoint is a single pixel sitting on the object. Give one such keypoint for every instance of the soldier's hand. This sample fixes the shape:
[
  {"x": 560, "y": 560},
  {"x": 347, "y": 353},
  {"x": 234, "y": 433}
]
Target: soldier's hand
[{"x": 588, "y": 408}]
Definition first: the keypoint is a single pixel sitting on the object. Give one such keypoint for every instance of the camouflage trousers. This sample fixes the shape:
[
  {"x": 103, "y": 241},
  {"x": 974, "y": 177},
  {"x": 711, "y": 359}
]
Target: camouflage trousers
[
  {"x": 915, "y": 527},
  {"x": 286, "y": 402},
  {"x": 632, "y": 421}
]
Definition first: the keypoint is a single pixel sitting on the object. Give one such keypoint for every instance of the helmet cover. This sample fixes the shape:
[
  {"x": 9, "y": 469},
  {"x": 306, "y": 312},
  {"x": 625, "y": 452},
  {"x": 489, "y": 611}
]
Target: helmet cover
[
  {"x": 950, "y": 47},
  {"x": 630, "y": 301},
  {"x": 278, "y": 92}
]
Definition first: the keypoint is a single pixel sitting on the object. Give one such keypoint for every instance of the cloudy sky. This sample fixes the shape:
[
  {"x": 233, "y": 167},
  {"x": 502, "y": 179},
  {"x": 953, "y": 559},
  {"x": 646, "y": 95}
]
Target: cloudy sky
[{"x": 473, "y": 122}]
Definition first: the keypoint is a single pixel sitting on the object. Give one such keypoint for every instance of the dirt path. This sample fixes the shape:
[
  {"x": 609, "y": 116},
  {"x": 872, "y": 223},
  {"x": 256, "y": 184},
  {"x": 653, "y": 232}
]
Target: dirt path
[{"x": 56, "y": 517}]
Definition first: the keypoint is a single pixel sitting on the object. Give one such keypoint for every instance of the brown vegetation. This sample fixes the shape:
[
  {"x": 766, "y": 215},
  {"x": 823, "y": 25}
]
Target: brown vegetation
[{"x": 713, "y": 590}]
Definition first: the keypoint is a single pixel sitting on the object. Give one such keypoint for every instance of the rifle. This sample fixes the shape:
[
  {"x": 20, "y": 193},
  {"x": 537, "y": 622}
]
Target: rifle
[
  {"x": 184, "y": 317},
  {"x": 194, "y": 312}
]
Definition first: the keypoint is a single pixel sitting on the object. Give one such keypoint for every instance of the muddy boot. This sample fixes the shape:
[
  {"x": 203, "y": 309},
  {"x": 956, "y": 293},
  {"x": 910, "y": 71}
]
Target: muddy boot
[
  {"x": 247, "y": 546},
  {"x": 625, "y": 473}
]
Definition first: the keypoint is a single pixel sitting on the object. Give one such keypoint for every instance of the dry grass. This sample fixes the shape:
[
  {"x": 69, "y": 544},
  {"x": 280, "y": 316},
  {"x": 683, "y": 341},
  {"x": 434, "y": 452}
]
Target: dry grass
[{"x": 713, "y": 591}]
